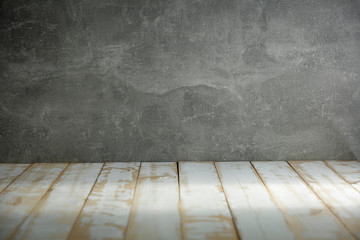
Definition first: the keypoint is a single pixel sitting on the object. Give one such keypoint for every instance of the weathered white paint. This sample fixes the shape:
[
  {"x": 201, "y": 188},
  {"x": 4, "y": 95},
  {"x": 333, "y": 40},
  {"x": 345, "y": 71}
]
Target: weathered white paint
[
  {"x": 343, "y": 200},
  {"x": 256, "y": 216},
  {"x": 349, "y": 170},
  {"x": 306, "y": 215},
  {"x": 18, "y": 199},
  {"x": 57, "y": 211},
  {"x": 155, "y": 214},
  {"x": 107, "y": 210},
  {"x": 155, "y": 211},
  {"x": 8, "y": 172},
  {"x": 204, "y": 207}
]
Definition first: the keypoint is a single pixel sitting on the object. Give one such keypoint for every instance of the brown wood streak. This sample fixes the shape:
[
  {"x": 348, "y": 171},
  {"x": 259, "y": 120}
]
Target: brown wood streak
[
  {"x": 77, "y": 175},
  {"x": 107, "y": 177},
  {"x": 308, "y": 179},
  {"x": 40, "y": 200},
  {"x": 14, "y": 179},
  {"x": 151, "y": 178},
  {"x": 228, "y": 230},
  {"x": 298, "y": 223},
  {"x": 133, "y": 203},
  {"x": 85, "y": 229},
  {"x": 221, "y": 190},
  {"x": 179, "y": 205},
  {"x": 355, "y": 184}
]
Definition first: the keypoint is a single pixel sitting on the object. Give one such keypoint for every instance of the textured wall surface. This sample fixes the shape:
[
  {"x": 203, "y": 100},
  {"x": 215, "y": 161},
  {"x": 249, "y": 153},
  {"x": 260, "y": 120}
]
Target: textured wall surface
[{"x": 170, "y": 80}]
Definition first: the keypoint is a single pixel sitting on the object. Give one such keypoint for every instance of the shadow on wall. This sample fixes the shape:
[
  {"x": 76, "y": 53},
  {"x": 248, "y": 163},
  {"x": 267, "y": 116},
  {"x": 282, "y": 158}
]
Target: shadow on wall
[{"x": 152, "y": 80}]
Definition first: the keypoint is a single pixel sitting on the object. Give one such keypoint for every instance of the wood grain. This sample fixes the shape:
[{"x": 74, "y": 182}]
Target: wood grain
[
  {"x": 204, "y": 208},
  {"x": 349, "y": 170},
  {"x": 56, "y": 213},
  {"x": 17, "y": 200},
  {"x": 306, "y": 214},
  {"x": 155, "y": 211},
  {"x": 204, "y": 200},
  {"x": 335, "y": 192},
  {"x": 107, "y": 210},
  {"x": 256, "y": 216},
  {"x": 8, "y": 172}
]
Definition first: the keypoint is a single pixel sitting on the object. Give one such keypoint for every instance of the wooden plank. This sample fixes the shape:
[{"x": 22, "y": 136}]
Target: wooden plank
[
  {"x": 256, "y": 216},
  {"x": 349, "y": 170},
  {"x": 18, "y": 199},
  {"x": 55, "y": 214},
  {"x": 205, "y": 212},
  {"x": 335, "y": 192},
  {"x": 305, "y": 213},
  {"x": 8, "y": 173},
  {"x": 155, "y": 212},
  {"x": 107, "y": 210}
]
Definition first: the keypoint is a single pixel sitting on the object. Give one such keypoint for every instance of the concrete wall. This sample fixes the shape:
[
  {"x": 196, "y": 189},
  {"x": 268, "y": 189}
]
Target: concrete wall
[{"x": 170, "y": 80}]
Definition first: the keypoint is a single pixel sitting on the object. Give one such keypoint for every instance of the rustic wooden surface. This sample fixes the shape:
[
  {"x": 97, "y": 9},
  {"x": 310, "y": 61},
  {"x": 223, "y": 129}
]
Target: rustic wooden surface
[
  {"x": 188, "y": 200},
  {"x": 349, "y": 170},
  {"x": 56, "y": 212},
  {"x": 9, "y": 172},
  {"x": 204, "y": 209},
  {"x": 343, "y": 200},
  {"x": 107, "y": 210},
  {"x": 155, "y": 207},
  {"x": 255, "y": 213},
  {"x": 307, "y": 215},
  {"x": 18, "y": 200}
]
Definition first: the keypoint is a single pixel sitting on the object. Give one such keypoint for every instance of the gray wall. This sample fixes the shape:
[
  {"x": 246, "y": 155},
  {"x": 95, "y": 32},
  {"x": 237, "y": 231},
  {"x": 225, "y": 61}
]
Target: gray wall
[{"x": 170, "y": 80}]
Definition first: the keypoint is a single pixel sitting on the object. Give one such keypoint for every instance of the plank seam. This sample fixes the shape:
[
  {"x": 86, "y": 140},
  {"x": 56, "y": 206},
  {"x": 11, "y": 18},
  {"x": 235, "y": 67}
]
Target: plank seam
[
  {"x": 182, "y": 237},
  {"x": 11, "y": 182},
  {"x": 334, "y": 170},
  {"x": 273, "y": 199},
  {"x": 326, "y": 205},
  {"x": 132, "y": 202},
  {"x": 82, "y": 207},
  {"x": 227, "y": 202},
  {"x": 40, "y": 200}
]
